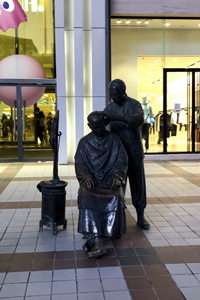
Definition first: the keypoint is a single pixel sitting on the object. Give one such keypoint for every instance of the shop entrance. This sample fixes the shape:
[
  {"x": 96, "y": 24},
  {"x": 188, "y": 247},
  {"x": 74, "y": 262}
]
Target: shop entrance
[
  {"x": 179, "y": 122},
  {"x": 25, "y": 129}
]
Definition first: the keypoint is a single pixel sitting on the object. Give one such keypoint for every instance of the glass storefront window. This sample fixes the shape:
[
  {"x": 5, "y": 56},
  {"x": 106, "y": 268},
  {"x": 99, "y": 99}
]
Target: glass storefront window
[
  {"x": 149, "y": 46},
  {"x": 35, "y": 123},
  {"x": 34, "y": 38}
]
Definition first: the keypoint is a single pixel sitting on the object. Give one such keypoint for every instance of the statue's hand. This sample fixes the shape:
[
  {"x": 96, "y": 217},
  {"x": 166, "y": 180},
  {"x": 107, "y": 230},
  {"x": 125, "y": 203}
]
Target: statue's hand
[
  {"x": 116, "y": 118},
  {"x": 111, "y": 117},
  {"x": 116, "y": 183},
  {"x": 89, "y": 183}
]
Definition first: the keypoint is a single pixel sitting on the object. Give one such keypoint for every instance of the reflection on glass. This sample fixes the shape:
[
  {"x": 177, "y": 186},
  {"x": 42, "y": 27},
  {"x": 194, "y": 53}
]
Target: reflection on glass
[
  {"x": 38, "y": 125},
  {"x": 34, "y": 38},
  {"x": 8, "y": 134}
]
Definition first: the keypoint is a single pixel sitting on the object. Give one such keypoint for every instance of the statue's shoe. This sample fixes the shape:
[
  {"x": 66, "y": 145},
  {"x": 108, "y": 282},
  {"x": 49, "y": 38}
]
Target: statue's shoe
[
  {"x": 88, "y": 245},
  {"x": 98, "y": 249},
  {"x": 142, "y": 223}
]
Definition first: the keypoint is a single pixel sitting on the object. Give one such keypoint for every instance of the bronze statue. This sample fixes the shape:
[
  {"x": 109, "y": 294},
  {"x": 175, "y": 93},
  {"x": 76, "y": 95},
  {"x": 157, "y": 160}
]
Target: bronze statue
[
  {"x": 126, "y": 117},
  {"x": 54, "y": 142},
  {"x": 100, "y": 164}
]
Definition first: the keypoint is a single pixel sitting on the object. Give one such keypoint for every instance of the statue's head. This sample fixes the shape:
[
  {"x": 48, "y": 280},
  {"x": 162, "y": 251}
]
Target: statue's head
[
  {"x": 97, "y": 122},
  {"x": 117, "y": 89}
]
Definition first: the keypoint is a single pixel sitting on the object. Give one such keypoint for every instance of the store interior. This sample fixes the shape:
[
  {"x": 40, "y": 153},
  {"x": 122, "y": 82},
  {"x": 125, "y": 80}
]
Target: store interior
[{"x": 149, "y": 46}]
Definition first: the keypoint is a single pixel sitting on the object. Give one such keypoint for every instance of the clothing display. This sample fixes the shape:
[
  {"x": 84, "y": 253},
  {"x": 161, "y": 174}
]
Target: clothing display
[{"x": 148, "y": 119}]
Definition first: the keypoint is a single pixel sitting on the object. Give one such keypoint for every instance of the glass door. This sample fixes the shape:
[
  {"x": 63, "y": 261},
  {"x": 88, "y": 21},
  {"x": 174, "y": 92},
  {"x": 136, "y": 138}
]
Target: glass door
[
  {"x": 25, "y": 128},
  {"x": 197, "y": 112},
  {"x": 9, "y": 132},
  {"x": 180, "y": 132},
  {"x": 37, "y": 121}
]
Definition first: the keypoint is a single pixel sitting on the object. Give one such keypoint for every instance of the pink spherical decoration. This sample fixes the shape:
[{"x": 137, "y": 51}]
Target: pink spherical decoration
[{"x": 21, "y": 67}]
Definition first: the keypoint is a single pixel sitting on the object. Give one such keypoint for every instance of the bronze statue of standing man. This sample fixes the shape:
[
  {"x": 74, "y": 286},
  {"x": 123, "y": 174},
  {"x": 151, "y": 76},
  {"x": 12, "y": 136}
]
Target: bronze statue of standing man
[{"x": 126, "y": 116}]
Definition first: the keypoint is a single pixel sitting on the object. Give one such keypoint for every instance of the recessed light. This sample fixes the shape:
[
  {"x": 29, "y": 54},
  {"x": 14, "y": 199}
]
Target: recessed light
[
  {"x": 139, "y": 22},
  {"x": 40, "y": 8},
  {"x": 128, "y": 22},
  {"x": 146, "y": 22},
  {"x": 167, "y": 24},
  {"x": 119, "y": 21}
]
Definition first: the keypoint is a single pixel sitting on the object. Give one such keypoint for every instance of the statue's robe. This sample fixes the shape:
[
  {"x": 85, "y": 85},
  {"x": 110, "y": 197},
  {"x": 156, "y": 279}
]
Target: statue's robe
[{"x": 101, "y": 209}]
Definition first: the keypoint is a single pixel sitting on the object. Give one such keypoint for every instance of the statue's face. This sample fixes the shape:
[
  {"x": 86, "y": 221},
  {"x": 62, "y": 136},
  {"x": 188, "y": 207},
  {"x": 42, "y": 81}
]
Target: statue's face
[
  {"x": 98, "y": 127},
  {"x": 117, "y": 95}
]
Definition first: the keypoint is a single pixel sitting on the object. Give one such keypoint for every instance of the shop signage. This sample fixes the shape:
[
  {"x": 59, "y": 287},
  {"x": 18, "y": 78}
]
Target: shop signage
[{"x": 177, "y": 107}]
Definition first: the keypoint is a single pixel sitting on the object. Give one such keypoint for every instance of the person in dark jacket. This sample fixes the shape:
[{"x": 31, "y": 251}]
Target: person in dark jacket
[
  {"x": 100, "y": 164},
  {"x": 126, "y": 117}
]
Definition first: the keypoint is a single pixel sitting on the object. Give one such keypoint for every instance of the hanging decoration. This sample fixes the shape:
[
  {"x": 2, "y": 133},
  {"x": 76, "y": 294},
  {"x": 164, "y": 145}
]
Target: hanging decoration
[
  {"x": 11, "y": 14},
  {"x": 21, "y": 67}
]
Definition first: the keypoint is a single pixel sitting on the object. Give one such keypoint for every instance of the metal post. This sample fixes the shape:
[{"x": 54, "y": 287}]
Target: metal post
[{"x": 19, "y": 122}]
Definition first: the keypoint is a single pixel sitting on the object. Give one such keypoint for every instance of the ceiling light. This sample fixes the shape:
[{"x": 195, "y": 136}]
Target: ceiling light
[
  {"x": 40, "y": 8},
  {"x": 199, "y": 25},
  {"x": 128, "y": 22},
  {"x": 139, "y": 22},
  {"x": 149, "y": 73},
  {"x": 119, "y": 21},
  {"x": 146, "y": 22},
  {"x": 167, "y": 24}
]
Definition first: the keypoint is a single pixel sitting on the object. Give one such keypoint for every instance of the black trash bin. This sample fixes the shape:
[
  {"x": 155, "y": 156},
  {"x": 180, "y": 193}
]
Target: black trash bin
[{"x": 53, "y": 204}]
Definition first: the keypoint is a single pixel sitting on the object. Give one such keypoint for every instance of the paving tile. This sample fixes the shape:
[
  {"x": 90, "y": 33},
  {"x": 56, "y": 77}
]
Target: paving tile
[
  {"x": 17, "y": 277},
  {"x": 138, "y": 283},
  {"x": 175, "y": 269},
  {"x": 60, "y": 275},
  {"x": 63, "y": 297},
  {"x": 13, "y": 290},
  {"x": 128, "y": 252},
  {"x": 111, "y": 272},
  {"x": 162, "y": 282},
  {"x": 155, "y": 270},
  {"x": 64, "y": 287},
  {"x": 87, "y": 286},
  {"x": 125, "y": 295},
  {"x": 143, "y": 294},
  {"x": 191, "y": 293},
  {"x": 150, "y": 260},
  {"x": 89, "y": 296},
  {"x": 114, "y": 284},
  {"x": 186, "y": 281},
  {"x": 194, "y": 267},
  {"x": 133, "y": 271},
  {"x": 88, "y": 273},
  {"x": 170, "y": 294},
  {"x": 40, "y": 276}
]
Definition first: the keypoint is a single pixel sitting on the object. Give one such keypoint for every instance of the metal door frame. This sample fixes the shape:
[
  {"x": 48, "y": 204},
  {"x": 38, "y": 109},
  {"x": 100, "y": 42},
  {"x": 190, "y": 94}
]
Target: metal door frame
[
  {"x": 19, "y": 83},
  {"x": 186, "y": 70}
]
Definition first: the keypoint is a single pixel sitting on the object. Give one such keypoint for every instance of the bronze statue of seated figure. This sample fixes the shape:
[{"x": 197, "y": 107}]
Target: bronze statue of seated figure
[{"x": 101, "y": 164}]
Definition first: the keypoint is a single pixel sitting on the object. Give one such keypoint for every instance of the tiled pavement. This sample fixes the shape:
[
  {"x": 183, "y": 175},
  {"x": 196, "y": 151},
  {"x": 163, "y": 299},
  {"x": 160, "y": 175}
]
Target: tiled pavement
[{"x": 161, "y": 263}]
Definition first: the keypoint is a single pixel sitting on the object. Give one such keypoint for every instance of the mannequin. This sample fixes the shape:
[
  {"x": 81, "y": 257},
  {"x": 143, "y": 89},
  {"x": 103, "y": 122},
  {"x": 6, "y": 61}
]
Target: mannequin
[{"x": 148, "y": 119}]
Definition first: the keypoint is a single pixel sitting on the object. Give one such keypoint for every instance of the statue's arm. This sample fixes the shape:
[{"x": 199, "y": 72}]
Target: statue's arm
[
  {"x": 82, "y": 171},
  {"x": 121, "y": 166},
  {"x": 133, "y": 117}
]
